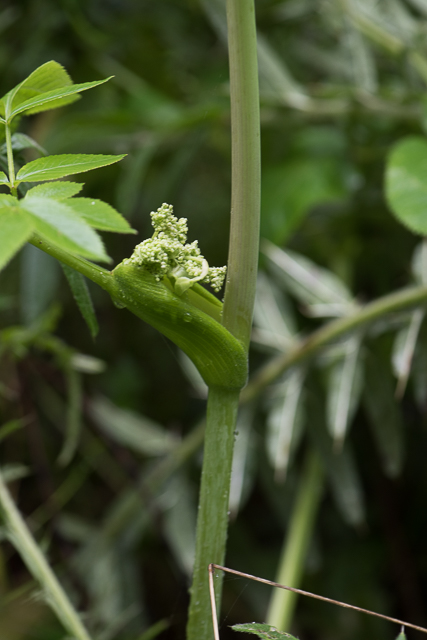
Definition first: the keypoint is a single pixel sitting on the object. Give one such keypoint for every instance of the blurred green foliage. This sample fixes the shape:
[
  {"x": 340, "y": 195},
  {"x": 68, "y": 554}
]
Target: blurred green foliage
[{"x": 341, "y": 82}]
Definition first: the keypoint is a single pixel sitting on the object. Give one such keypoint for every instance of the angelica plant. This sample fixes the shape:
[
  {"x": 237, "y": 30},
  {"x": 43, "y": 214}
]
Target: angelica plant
[{"x": 160, "y": 282}]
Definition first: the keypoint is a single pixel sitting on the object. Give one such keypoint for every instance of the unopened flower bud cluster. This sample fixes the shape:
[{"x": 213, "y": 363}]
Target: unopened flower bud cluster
[{"x": 167, "y": 254}]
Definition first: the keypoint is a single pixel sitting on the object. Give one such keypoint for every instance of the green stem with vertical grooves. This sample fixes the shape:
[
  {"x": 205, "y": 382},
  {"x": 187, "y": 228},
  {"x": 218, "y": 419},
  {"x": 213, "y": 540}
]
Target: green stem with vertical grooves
[
  {"x": 212, "y": 518},
  {"x": 246, "y": 170}
]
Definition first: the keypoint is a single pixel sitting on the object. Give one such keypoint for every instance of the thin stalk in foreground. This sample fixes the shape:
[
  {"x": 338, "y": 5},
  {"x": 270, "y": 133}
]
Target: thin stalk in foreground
[
  {"x": 212, "y": 518},
  {"x": 402, "y": 623},
  {"x": 294, "y": 553},
  {"x": 21, "y": 538}
]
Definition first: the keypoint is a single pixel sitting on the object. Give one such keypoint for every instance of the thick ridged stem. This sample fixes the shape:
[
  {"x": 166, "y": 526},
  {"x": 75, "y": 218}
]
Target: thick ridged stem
[{"x": 246, "y": 167}]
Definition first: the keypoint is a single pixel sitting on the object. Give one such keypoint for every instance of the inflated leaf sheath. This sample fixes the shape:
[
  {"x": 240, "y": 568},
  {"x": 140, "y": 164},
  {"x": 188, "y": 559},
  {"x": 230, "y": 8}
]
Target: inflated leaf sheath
[{"x": 218, "y": 355}]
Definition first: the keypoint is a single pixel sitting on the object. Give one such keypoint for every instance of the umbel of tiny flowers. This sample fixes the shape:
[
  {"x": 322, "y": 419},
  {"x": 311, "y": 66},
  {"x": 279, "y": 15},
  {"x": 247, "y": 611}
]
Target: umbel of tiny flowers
[{"x": 167, "y": 254}]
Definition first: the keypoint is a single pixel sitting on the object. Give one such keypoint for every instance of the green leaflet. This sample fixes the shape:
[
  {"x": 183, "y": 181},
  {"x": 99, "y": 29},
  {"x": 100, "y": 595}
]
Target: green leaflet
[
  {"x": 263, "y": 631},
  {"x": 59, "y": 224},
  {"x": 21, "y": 141},
  {"x": 53, "y": 99},
  {"x": 82, "y": 297},
  {"x": 56, "y": 190},
  {"x": 48, "y": 87},
  {"x": 100, "y": 215},
  {"x": 59, "y": 166},
  {"x": 96, "y": 213},
  {"x": 47, "y": 77},
  {"x": 218, "y": 355}
]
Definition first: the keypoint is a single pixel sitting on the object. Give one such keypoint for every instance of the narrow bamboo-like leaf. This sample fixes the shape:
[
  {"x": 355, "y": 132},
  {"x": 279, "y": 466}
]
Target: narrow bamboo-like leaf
[
  {"x": 100, "y": 215},
  {"x": 384, "y": 414},
  {"x": 74, "y": 422},
  {"x": 344, "y": 389},
  {"x": 131, "y": 430},
  {"x": 82, "y": 297},
  {"x": 62, "y": 165},
  {"x": 87, "y": 364},
  {"x": 284, "y": 422},
  {"x": 51, "y": 99},
  {"x": 308, "y": 282},
  {"x": 406, "y": 187},
  {"x": 15, "y": 228},
  {"x": 57, "y": 221},
  {"x": 179, "y": 521},
  {"x": 243, "y": 469},
  {"x": 362, "y": 58},
  {"x": 340, "y": 468},
  {"x": 274, "y": 322},
  {"x": 404, "y": 348},
  {"x": 59, "y": 190},
  {"x": 263, "y": 631}
]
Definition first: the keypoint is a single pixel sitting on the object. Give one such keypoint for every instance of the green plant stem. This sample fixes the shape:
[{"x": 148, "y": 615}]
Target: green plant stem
[
  {"x": 21, "y": 538},
  {"x": 92, "y": 271},
  {"x": 294, "y": 553},
  {"x": 311, "y": 345},
  {"x": 246, "y": 167},
  {"x": 212, "y": 518},
  {"x": 239, "y": 299}
]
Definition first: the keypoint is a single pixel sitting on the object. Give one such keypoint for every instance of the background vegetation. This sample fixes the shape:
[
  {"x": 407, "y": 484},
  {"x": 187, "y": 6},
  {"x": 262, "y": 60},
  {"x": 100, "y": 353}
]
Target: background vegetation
[{"x": 341, "y": 82}]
